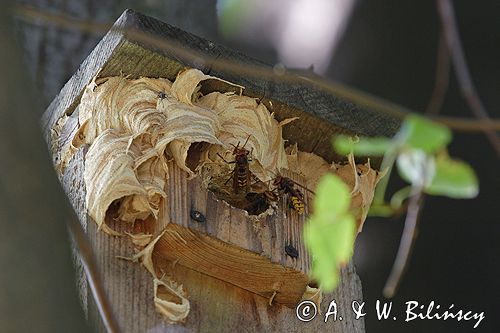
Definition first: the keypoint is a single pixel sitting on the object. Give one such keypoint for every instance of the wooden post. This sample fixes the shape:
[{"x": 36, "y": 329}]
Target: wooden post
[{"x": 142, "y": 46}]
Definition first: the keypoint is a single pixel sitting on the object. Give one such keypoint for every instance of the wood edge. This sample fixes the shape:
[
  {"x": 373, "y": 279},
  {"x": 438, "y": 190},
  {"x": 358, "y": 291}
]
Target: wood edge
[
  {"x": 70, "y": 94},
  {"x": 66, "y": 100}
]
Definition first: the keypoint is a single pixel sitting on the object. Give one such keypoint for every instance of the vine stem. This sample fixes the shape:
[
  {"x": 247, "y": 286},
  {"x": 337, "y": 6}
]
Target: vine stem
[
  {"x": 442, "y": 77},
  {"x": 407, "y": 241},
  {"x": 450, "y": 30},
  {"x": 35, "y": 16},
  {"x": 92, "y": 272}
]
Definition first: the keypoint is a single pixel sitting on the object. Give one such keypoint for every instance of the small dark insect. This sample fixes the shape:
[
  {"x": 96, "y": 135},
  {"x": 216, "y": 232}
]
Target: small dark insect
[
  {"x": 291, "y": 251},
  {"x": 241, "y": 173},
  {"x": 197, "y": 216},
  {"x": 162, "y": 95}
]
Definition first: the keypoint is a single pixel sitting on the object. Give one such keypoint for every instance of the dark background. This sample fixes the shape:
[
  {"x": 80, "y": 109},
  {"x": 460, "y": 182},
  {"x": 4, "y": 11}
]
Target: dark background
[{"x": 389, "y": 50}]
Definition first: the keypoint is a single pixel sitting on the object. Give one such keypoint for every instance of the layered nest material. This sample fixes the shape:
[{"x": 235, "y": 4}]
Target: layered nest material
[{"x": 133, "y": 127}]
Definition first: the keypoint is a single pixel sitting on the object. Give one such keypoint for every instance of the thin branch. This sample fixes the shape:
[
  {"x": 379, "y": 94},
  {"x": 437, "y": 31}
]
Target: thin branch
[
  {"x": 450, "y": 30},
  {"x": 357, "y": 97},
  {"x": 406, "y": 245},
  {"x": 36, "y": 16},
  {"x": 386, "y": 166},
  {"x": 92, "y": 272},
  {"x": 442, "y": 77}
]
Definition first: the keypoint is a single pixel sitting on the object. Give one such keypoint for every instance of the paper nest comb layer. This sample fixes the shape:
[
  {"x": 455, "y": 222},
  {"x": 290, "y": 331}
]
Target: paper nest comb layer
[{"x": 134, "y": 127}]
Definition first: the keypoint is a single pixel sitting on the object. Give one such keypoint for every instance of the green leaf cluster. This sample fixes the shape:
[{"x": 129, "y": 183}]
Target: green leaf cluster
[
  {"x": 330, "y": 231},
  {"x": 419, "y": 151}
]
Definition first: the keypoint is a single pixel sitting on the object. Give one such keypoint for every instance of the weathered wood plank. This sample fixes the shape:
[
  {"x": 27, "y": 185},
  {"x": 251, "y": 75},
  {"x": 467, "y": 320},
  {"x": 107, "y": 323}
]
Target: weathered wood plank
[
  {"x": 129, "y": 286},
  {"x": 160, "y": 50},
  {"x": 74, "y": 186},
  {"x": 232, "y": 264},
  {"x": 266, "y": 236},
  {"x": 216, "y": 305}
]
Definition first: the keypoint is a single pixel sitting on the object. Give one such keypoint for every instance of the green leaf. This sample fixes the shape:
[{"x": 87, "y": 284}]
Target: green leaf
[
  {"x": 330, "y": 232},
  {"x": 331, "y": 244},
  {"x": 454, "y": 179},
  {"x": 399, "y": 197},
  {"x": 381, "y": 210},
  {"x": 416, "y": 167},
  {"x": 364, "y": 146},
  {"x": 420, "y": 133},
  {"x": 332, "y": 197}
]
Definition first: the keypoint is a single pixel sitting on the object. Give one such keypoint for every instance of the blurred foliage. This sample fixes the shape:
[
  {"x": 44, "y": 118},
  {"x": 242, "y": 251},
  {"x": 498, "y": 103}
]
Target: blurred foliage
[
  {"x": 330, "y": 231},
  {"x": 419, "y": 152},
  {"x": 232, "y": 16}
]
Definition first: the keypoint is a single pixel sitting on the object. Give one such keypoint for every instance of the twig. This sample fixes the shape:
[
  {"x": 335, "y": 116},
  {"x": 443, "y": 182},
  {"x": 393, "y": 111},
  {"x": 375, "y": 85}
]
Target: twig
[
  {"x": 37, "y": 16},
  {"x": 406, "y": 245},
  {"x": 450, "y": 30},
  {"x": 442, "y": 77},
  {"x": 359, "y": 98},
  {"x": 95, "y": 283}
]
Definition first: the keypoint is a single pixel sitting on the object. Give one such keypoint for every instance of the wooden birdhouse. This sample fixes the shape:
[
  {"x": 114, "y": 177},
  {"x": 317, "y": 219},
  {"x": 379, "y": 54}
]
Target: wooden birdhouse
[{"x": 170, "y": 147}]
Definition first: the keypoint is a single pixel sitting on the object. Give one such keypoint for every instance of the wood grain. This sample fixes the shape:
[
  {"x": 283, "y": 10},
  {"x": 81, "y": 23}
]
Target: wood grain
[
  {"x": 266, "y": 236},
  {"x": 217, "y": 305},
  {"x": 232, "y": 264},
  {"x": 246, "y": 251}
]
